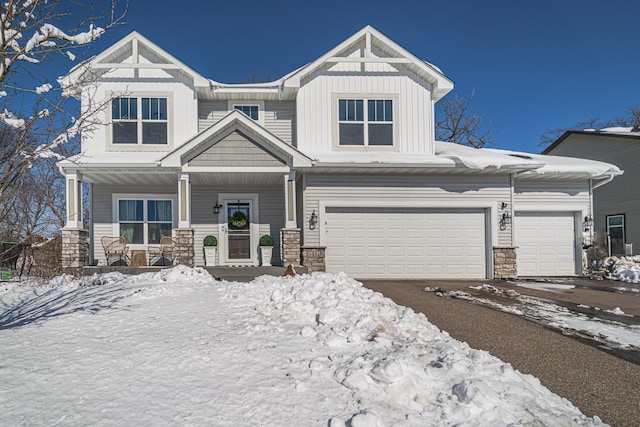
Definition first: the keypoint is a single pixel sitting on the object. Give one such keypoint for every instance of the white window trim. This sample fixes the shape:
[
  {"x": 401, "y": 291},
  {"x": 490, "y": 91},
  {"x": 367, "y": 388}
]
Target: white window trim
[
  {"x": 335, "y": 121},
  {"x": 139, "y": 146},
  {"x": 260, "y": 104},
  {"x": 115, "y": 197}
]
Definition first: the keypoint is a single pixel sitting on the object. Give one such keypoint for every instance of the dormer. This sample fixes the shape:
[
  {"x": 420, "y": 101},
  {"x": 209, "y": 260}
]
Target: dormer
[
  {"x": 148, "y": 97},
  {"x": 367, "y": 94}
]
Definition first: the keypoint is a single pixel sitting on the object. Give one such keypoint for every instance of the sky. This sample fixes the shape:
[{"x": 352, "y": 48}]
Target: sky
[{"x": 532, "y": 65}]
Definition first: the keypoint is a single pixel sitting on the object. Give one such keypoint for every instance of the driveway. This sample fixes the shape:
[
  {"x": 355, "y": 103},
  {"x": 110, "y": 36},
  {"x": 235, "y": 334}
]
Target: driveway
[{"x": 595, "y": 381}]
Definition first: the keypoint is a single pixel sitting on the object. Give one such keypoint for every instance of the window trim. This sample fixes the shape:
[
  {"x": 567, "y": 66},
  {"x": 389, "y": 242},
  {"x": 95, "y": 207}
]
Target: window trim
[
  {"x": 624, "y": 230},
  {"x": 115, "y": 199},
  {"x": 139, "y": 146},
  {"x": 231, "y": 104},
  {"x": 365, "y": 97}
]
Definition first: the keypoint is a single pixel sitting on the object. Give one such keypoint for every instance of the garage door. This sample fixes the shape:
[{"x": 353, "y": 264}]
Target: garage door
[
  {"x": 546, "y": 243},
  {"x": 406, "y": 242}
]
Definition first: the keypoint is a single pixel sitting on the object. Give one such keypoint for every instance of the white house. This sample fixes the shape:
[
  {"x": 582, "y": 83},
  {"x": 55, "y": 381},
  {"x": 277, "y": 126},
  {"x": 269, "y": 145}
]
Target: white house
[{"x": 337, "y": 161}]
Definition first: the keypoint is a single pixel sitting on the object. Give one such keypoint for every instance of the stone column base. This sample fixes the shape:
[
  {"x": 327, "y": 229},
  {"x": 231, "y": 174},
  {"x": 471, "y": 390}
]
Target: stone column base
[
  {"x": 185, "y": 252},
  {"x": 313, "y": 258},
  {"x": 504, "y": 262},
  {"x": 290, "y": 244},
  {"x": 75, "y": 248}
]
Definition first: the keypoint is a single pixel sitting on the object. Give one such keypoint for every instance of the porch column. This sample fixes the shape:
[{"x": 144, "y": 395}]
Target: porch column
[
  {"x": 73, "y": 201},
  {"x": 184, "y": 201},
  {"x": 290, "y": 200}
]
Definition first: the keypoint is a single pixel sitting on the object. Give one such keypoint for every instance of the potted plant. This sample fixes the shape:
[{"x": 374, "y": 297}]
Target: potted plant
[
  {"x": 210, "y": 243},
  {"x": 266, "y": 249}
]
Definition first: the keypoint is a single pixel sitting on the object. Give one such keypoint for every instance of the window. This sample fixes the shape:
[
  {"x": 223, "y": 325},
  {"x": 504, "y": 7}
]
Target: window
[
  {"x": 145, "y": 221},
  {"x": 139, "y": 121},
  {"x": 615, "y": 234},
  {"x": 365, "y": 122},
  {"x": 249, "y": 110}
]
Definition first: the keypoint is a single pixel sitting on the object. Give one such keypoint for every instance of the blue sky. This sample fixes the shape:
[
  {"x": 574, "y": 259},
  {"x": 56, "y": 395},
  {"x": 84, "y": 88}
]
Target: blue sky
[{"x": 534, "y": 65}]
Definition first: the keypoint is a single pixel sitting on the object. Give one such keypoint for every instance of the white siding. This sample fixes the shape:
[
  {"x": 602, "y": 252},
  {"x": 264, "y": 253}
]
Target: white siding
[
  {"x": 209, "y": 112},
  {"x": 280, "y": 119},
  {"x": 403, "y": 190},
  {"x": 414, "y": 107}
]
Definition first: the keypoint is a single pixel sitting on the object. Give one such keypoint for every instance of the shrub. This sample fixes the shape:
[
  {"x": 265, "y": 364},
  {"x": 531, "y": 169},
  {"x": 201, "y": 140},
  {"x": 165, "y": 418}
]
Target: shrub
[
  {"x": 266, "y": 240},
  {"x": 210, "y": 241}
]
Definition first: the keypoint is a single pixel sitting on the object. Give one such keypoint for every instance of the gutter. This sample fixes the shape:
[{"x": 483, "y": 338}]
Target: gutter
[{"x": 607, "y": 180}]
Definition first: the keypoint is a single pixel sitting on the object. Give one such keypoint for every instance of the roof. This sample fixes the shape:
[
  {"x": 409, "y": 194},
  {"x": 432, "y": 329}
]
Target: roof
[{"x": 615, "y": 132}]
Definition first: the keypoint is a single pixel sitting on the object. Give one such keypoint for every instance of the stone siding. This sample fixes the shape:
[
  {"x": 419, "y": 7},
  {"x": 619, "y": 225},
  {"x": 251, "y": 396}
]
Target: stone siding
[
  {"x": 290, "y": 240},
  {"x": 75, "y": 248},
  {"x": 313, "y": 258},
  {"x": 504, "y": 262},
  {"x": 185, "y": 252}
]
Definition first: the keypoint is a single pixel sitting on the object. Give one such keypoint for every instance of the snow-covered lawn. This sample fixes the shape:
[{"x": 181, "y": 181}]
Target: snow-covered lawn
[{"x": 179, "y": 348}]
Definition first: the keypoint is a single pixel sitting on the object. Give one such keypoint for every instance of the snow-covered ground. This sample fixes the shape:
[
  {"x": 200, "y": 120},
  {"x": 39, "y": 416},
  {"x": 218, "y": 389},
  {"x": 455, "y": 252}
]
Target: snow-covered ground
[
  {"x": 614, "y": 334},
  {"x": 179, "y": 348}
]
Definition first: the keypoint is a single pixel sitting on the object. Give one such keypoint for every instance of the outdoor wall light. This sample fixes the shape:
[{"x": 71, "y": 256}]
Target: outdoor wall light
[
  {"x": 588, "y": 223},
  {"x": 503, "y": 205},
  {"x": 505, "y": 219},
  {"x": 313, "y": 220},
  {"x": 216, "y": 208}
]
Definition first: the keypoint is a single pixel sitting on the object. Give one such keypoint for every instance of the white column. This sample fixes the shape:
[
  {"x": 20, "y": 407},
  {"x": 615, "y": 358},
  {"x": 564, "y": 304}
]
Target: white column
[
  {"x": 290, "y": 200},
  {"x": 184, "y": 201},
  {"x": 73, "y": 200}
]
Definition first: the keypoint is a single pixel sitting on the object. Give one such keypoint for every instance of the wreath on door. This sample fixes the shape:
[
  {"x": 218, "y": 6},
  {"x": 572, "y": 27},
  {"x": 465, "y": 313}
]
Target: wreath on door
[{"x": 239, "y": 219}]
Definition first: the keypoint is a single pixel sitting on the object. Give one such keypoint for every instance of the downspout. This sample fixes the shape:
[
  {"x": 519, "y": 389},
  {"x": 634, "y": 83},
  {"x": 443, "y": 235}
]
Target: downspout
[{"x": 513, "y": 211}]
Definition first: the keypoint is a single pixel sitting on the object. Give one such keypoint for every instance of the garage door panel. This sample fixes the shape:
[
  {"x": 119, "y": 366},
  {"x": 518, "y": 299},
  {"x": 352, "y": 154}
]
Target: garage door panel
[
  {"x": 408, "y": 242},
  {"x": 546, "y": 243}
]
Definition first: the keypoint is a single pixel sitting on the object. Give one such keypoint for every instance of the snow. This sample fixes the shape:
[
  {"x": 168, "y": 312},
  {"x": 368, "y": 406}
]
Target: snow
[
  {"x": 624, "y": 269},
  {"x": 43, "y": 88},
  {"x": 179, "y": 348},
  {"x": 610, "y": 333}
]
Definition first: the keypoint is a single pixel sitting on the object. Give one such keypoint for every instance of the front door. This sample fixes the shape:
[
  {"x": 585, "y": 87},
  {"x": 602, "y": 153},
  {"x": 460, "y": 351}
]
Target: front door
[{"x": 237, "y": 225}]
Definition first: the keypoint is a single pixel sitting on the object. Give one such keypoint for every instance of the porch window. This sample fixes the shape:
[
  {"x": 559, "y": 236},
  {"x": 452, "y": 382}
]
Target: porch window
[
  {"x": 145, "y": 221},
  {"x": 139, "y": 121},
  {"x": 365, "y": 122}
]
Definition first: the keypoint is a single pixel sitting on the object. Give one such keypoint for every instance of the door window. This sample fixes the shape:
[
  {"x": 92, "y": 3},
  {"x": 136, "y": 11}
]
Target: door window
[{"x": 239, "y": 235}]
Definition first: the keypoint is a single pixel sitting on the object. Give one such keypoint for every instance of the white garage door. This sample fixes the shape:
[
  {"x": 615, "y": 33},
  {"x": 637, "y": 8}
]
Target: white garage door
[
  {"x": 546, "y": 243},
  {"x": 406, "y": 242}
]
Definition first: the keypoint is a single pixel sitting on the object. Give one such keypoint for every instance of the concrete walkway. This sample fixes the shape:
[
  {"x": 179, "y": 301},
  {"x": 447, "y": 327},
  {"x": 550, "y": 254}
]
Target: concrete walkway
[{"x": 595, "y": 381}]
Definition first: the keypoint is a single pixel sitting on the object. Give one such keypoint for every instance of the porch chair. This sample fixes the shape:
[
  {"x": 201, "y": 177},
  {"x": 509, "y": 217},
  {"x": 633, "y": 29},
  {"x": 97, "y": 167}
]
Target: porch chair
[
  {"x": 166, "y": 250},
  {"x": 116, "y": 246}
]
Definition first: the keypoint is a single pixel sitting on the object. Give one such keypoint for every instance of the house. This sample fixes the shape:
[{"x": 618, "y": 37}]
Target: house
[
  {"x": 337, "y": 161},
  {"x": 616, "y": 213}
]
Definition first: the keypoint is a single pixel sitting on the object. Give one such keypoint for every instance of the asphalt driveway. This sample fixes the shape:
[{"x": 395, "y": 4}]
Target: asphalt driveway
[{"x": 595, "y": 381}]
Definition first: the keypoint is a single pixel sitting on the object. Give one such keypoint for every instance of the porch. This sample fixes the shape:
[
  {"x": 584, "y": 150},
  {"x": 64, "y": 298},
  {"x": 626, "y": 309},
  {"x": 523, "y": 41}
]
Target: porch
[{"x": 231, "y": 274}]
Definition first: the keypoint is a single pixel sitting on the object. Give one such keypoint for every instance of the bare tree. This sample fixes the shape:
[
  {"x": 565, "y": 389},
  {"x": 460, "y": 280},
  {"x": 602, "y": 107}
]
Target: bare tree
[
  {"x": 34, "y": 118},
  {"x": 458, "y": 124},
  {"x": 40, "y": 39}
]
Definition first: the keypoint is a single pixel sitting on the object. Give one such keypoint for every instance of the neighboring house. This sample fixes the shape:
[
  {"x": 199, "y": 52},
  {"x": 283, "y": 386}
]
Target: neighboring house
[
  {"x": 616, "y": 210},
  {"x": 337, "y": 161}
]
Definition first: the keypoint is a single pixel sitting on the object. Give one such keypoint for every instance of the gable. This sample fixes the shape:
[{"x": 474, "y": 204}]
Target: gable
[
  {"x": 371, "y": 51},
  {"x": 236, "y": 149}
]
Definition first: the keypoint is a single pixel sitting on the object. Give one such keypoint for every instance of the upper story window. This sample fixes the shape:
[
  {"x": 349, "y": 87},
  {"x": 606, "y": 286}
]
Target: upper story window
[
  {"x": 365, "y": 122},
  {"x": 139, "y": 121},
  {"x": 249, "y": 110}
]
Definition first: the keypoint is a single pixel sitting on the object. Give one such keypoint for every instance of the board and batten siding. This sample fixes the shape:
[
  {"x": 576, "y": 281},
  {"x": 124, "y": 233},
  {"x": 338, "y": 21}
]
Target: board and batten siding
[
  {"x": 204, "y": 222},
  {"x": 235, "y": 149},
  {"x": 404, "y": 190},
  {"x": 317, "y": 115},
  {"x": 620, "y": 196},
  {"x": 279, "y": 116},
  {"x": 102, "y": 211}
]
